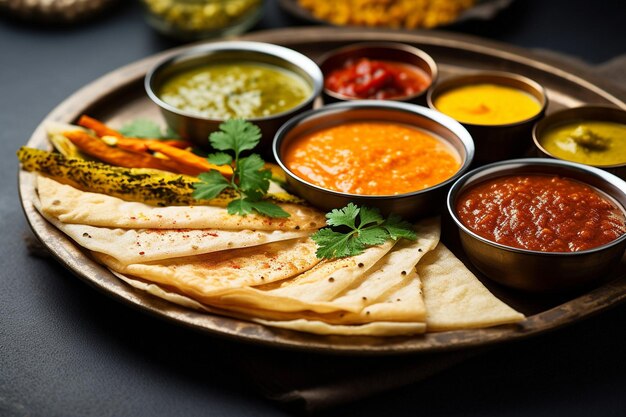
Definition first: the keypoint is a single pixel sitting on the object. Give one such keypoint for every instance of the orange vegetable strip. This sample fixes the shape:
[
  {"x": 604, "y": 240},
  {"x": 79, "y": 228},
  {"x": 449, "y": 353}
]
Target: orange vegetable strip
[
  {"x": 98, "y": 127},
  {"x": 189, "y": 158},
  {"x": 103, "y": 130},
  {"x": 181, "y": 144},
  {"x": 142, "y": 145},
  {"x": 188, "y": 162},
  {"x": 120, "y": 157}
]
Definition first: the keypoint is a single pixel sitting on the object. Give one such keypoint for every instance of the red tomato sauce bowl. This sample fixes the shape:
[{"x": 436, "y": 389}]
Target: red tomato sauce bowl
[
  {"x": 378, "y": 71},
  {"x": 541, "y": 225}
]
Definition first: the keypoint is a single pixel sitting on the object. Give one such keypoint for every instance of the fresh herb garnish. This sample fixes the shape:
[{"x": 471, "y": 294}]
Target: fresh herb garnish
[
  {"x": 353, "y": 229},
  {"x": 146, "y": 128},
  {"x": 249, "y": 179}
]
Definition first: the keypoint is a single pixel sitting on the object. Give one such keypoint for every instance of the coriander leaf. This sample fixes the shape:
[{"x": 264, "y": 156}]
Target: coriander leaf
[
  {"x": 236, "y": 135},
  {"x": 370, "y": 215},
  {"x": 372, "y": 230},
  {"x": 252, "y": 179},
  {"x": 399, "y": 228},
  {"x": 267, "y": 208},
  {"x": 240, "y": 206},
  {"x": 170, "y": 133},
  {"x": 219, "y": 158},
  {"x": 146, "y": 128},
  {"x": 211, "y": 184},
  {"x": 372, "y": 236},
  {"x": 343, "y": 217},
  {"x": 331, "y": 244},
  {"x": 250, "y": 182}
]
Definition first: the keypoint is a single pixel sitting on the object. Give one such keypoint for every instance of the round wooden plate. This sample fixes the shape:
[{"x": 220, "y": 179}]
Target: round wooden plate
[{"x": 119, "y": 97}]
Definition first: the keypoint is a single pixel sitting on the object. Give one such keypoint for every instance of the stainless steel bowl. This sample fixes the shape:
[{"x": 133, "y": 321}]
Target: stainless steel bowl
[
  {"x": 583, "y": 113},
  {"x": 196, "y": 128},
  {"x": 534, "y": 270},
  {"x": 408, "y": 205},
  {"x": 388, "y": 51},
  {"x": 501, "y": 141}
]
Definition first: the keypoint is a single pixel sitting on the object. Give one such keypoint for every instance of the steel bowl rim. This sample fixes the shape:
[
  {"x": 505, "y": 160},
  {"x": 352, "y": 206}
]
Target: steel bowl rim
[
  {"x": 548, "y": 122},
  {"x": 440, "y": 118},
  {"x": 281, "y": 52},
  {"x": 421, "y": 54},
  {"x": 487, "y": 74},
  {"x": 502, "y": 166}
]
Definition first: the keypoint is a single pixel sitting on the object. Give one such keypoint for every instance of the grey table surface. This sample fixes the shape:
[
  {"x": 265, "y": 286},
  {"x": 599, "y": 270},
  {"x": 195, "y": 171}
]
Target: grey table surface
[{"x": 67, "y": 350}]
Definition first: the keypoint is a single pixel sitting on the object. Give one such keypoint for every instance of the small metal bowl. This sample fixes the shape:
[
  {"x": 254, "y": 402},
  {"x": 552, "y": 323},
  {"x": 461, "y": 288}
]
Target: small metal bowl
[
  {"x": 409, "y": 205},
  {"x": 500, "y": 141},
  {"x": 584, "y": 113},
  {"x": 189, "y": 20},
  {"x": 197, "y": 128},
  {"x": 534, "y": 270},
  {"x": 387, "y": 51}
]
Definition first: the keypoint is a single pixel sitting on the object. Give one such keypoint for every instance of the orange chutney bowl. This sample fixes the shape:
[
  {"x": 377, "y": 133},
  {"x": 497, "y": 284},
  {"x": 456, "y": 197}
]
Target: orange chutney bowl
[{"x": 398, "y": 157}]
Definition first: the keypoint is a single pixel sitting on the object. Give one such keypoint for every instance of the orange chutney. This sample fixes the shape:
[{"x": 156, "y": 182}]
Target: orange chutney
[{"x": 372, "y": 158}]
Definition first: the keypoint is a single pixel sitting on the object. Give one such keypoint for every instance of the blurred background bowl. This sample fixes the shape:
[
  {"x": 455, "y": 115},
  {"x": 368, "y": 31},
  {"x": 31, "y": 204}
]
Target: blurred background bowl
[
  {"x": 382, "y": 51},
  {"x": 579, "y": 115},
  {"x": 198, "y": 19},
  {"x": 410, "y": 205},
  {"x": 497, "y": 142},
  {"x": 536, "y": 270},
  {"x": 196, "y": 128}
]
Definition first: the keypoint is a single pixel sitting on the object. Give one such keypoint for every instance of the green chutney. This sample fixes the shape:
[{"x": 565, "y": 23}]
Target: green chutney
[
  {"x": 235, "y": 90},
  {"x": 588, "y": 142}
]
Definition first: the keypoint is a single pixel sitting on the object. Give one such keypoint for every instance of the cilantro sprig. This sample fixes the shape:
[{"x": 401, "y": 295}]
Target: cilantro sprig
[
  {"x": 249, "y": 180},
  {"x": 146, "y": 128},
  {"x": 352, "y": 229}
]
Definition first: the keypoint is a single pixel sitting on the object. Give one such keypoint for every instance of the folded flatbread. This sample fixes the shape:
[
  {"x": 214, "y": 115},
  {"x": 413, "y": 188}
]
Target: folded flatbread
[
  {"x": 455, "y": 298},
  {"x": 209, "y": 275},
  {"x": 72, "y": 206}
]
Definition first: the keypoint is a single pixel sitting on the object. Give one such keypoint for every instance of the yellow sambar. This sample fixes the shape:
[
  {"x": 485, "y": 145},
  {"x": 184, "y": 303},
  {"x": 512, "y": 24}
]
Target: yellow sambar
[{"x": 487, "y": 104}]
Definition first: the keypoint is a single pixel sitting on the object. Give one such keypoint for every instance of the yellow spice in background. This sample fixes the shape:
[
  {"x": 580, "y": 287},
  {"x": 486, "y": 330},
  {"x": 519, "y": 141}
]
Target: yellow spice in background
[
  {"x": 389, "y": 13},
  {"x": 487, "y": 104}
]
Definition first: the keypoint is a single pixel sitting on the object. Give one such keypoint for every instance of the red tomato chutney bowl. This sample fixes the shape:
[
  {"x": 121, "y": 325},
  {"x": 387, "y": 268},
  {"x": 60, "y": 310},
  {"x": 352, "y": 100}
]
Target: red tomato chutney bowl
[
  {"x": 377, "y": 71},
  {"x": 541, "y": 225},
  {"x": 398, "y": 157}
]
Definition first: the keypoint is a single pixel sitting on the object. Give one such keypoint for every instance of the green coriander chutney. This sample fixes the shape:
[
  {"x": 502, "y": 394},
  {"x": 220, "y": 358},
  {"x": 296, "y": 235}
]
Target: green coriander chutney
[
  {"x": 235, "y": 90},
  {"x": 588, "y": 142}
]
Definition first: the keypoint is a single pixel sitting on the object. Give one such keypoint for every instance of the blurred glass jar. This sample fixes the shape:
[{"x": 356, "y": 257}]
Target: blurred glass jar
[{"x": 198, "y": 19}]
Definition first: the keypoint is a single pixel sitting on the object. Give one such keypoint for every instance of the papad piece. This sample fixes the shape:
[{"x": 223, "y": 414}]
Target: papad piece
[
  {"x": 455, "y": 299},
  {"x": 70, "y": 205},
  {"x": 208, "y": 275}
]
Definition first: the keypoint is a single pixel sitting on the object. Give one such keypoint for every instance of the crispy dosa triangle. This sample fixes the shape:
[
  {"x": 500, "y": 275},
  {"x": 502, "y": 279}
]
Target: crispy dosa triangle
[
  {"x": 70, "y": 205},
  {"x": 455, "y": 298}
]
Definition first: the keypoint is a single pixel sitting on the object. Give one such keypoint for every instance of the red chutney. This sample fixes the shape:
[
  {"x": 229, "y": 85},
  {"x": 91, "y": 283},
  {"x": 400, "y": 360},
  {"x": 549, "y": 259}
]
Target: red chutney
[
  {"x": 542, "y": 213},
  {"x": 373, "y": 79},
  {"x": 372, "y": 158}
]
